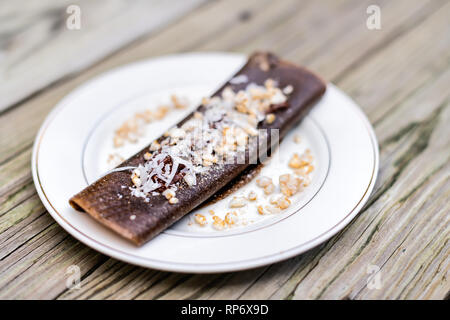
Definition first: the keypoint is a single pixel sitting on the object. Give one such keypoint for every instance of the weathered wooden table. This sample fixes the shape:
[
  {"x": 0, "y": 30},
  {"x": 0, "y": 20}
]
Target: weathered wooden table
[{"x": 398, "y": 246}]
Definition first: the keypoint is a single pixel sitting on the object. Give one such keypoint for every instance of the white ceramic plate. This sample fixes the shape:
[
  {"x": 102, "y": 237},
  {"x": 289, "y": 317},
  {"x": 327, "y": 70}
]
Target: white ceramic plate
[{"x": 72, "y": 146}]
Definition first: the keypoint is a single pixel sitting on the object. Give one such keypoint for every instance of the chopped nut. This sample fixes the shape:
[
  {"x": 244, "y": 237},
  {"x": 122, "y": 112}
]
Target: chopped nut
[
  {"x": 304, "y": 171},
  {"x": 173, "y": 200},
  {"x": 136, "y": 180},
  {"x": 271, "y": 209},
  {"x": 211, "y": 212},
  {"x": 242, "y": 106},
  {"x": 270, "y": 118},
  {"x": 238, "y": 202},
  {"x": 267, "y": 209},
  {"x": 218, "y": 223},
  {"x": 274, "y": 199},
  {"x": 231, "y": 218},
  {"x": 155, "y": 146},
  {"x": 263, "y": 181},
  {"x": 289, "y": 184},
  {"x": 261, "y": 210},
  {"x": 297, "y": 162},
  {"x": 147, "y": 156},
  {"x": 169, "y": 194},
  {"x": 200, "y": 219},
  {"x": 252, "y": 196},
  {"x": 269, "y": 188},
  {"x": 280, "y": 201},
  {"x": 283, "y": 202},
  {"x": 190, "y": 179}
]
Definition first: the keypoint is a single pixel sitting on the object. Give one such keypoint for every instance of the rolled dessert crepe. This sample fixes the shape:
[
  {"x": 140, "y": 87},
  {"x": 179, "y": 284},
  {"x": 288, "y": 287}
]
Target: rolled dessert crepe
[{"x": 116, "y": 201}]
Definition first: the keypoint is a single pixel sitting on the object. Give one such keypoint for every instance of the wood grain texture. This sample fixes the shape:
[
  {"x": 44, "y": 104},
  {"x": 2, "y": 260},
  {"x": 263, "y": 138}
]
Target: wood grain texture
[
  {"x": 399, "y": 75},
  {"x": 37, "y": 48}
]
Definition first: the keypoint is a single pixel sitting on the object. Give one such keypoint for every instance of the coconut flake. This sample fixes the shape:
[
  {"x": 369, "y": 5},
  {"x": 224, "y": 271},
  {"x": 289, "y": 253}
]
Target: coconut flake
[{"x": 239, "y": 79}]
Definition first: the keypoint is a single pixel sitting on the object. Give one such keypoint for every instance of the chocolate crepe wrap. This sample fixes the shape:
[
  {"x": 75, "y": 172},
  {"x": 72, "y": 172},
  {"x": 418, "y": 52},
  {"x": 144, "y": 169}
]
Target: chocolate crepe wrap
[{"x": 100, "y": 199}]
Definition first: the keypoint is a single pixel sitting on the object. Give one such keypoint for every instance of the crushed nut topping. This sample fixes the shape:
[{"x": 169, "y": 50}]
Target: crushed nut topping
[
  {"x": 220, "y": 132},
  {"x": 173, "y": 200},
  {"x": 263, "y": 181},
  {"x": 272, "y": 209},
  {"x": 261, "y": 210},
  {"x": 252, "y": 196},
  {"x": 147, "y": 155},
  {"x": 218, "y": 223},
  {"x": 280, "y": 201},
  {"x": 132, "y": 129},
  {"x": 115, "y": 159},
  {"x": 270, "y": 118},
  {"x": 200, "y": 219},
  {"x": 169, "y": 193},
  {"x": 269, "y": 188},
  {"x": 298, "y": 162},
  {"x": 238, "y": 202},
  {"x": 231, "y": 218},
  {"x": 290, "y": 184}
]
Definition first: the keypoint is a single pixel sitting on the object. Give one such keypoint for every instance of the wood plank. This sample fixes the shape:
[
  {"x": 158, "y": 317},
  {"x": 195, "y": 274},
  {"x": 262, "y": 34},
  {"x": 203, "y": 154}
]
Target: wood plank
[
  {"x": 37, "y": 48},
  {"x": 390, "y": 218},
  {"x": 114, "y": 280}
]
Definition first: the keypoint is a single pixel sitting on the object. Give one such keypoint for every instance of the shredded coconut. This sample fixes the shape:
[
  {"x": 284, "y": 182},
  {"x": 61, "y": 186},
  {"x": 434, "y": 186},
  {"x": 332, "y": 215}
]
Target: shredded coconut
[{"x": 219, "y": 132}]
